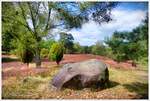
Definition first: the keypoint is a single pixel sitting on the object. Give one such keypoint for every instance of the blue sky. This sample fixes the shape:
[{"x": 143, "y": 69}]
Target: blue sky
[
  {"x": 126, "y": 16},
  {"x": 133, "y": 5}
]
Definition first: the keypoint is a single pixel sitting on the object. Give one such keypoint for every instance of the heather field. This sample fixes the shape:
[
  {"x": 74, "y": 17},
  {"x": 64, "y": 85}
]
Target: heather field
[{"x": 21, "y": 82}]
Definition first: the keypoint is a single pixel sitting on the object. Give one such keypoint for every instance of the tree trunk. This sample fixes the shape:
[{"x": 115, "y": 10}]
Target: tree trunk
[
  {"x": 27, "y": 64},
  {"x": 37, "y": 57},
  {"x": 57, "y": 62},
  {"x": 134, "y": 64}
]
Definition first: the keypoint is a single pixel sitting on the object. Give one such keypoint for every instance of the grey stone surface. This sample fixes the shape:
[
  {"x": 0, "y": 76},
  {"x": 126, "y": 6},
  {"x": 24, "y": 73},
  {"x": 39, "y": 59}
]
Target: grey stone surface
[{"x": 88, "y": 71}]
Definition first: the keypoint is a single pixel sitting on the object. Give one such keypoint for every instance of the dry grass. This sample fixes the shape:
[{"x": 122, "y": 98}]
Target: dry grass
[{"x": 124, "y": 84}]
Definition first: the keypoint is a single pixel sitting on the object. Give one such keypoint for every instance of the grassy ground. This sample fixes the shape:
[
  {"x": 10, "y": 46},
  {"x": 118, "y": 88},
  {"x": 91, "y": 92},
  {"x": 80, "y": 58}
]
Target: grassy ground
[{"x": 124, "y": 84}]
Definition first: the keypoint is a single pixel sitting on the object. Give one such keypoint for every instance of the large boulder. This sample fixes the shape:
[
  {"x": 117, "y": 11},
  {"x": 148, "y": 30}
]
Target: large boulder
[{"x": 87, "y": 72}]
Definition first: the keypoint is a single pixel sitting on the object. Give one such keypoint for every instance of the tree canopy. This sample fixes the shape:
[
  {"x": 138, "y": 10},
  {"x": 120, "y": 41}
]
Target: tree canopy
[
  {"x": 38, "y": 18},
  {"x": 67, "y": 41},
  {"x": 130, "y": 45}
]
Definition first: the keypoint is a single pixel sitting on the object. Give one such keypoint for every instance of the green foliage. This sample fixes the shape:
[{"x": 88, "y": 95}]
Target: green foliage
[
  {"x": 85, "y": 49},
  {"x": 56, "y": 52},
  {"x": 118, "y": 48},
  {"x": 25, "y": 52},
  {"x": 15, "y": 17},
  {"x": 70, "y": 20},
  {"x": 77, "y": 48},
  {"x": 45, "y": 46},
  {"x": 67, "y": 41},
  {"x": 75, "y": 18},
  {"x": 84, "y": 5},
  {"x": 24, "y": 48},
  {"x": 109, "y": 52},
  {"x": 6, "y": 42},
  {"x": 143, "y": 63},
  {"x": 130, "y": 45},
  {"x": 44, "y": 53},
  {"x": 10, "y": 28},
  {"x": 47, "y": 43},
  {"x": 98, "y": 49}
]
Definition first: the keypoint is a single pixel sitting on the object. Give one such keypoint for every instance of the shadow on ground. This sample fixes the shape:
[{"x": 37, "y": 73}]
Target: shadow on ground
[
  {"x": 76, "y": 85},
  {"x": 7, "y": 59},
  {"x": 141, "y": 89}
]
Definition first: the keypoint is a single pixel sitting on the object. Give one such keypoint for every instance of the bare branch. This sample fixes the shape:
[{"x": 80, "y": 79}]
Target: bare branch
[
  {"x": 54, "y": 26},
  {"x": 37, "y": 15},
  {"x": 32, "y": 16},
  {"x": 24, "y": 17},
  {"x": 48, "y": 19}
]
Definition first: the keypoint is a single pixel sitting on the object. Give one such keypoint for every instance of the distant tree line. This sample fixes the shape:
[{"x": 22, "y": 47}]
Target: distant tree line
[{"x": 122, "y": 46}]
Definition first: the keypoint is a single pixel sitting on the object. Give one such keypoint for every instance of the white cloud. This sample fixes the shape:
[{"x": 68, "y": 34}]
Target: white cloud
[
  {"x": 127, "y": 20},
  {"x": 124, "y": 20}
]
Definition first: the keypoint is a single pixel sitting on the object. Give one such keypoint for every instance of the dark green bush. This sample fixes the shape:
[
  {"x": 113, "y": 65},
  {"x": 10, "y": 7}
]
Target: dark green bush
[
  {"x": 56, "y": 52},
  {"x": 25, "y": 53}
]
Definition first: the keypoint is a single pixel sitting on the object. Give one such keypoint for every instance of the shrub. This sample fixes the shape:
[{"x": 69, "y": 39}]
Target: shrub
[
  {"x": 119, "y": 57},
  {"x": 44, "y": 53},
  {"x": 56, "y": 52},
  {"x": 99, "y": 49},
  {"x": 25, "y": 53}
]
